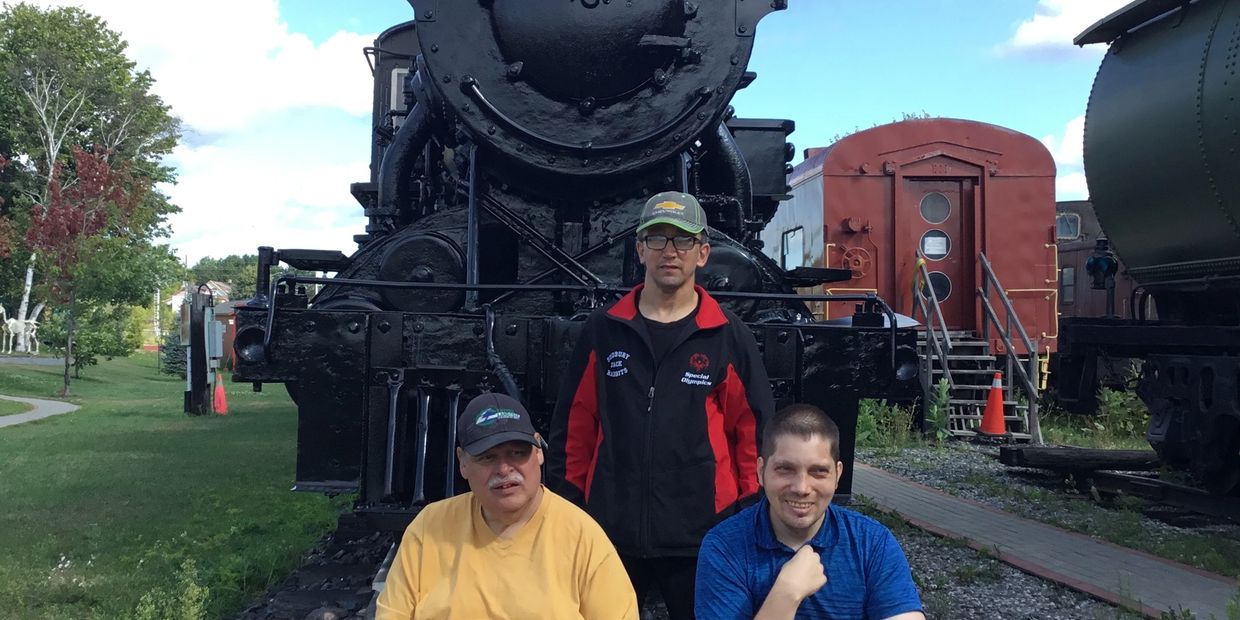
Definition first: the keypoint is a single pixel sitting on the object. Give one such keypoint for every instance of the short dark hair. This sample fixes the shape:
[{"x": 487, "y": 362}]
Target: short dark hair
[{"x": 804, "y": 421}]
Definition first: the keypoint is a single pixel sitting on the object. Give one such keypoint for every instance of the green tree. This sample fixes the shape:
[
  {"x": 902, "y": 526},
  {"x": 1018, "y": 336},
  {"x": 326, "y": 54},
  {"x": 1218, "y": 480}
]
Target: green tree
[
  {"x": 240, "y": 272},
  {"x": 65, "y": 82}
]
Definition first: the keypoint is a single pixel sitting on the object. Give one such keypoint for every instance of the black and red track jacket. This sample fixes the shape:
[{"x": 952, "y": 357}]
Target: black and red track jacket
[{"x": 659, "y": 454}]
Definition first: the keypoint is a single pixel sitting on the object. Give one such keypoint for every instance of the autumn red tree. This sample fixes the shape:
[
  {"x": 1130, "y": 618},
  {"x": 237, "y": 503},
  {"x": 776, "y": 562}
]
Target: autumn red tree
[{"x": 91, "y": 206}]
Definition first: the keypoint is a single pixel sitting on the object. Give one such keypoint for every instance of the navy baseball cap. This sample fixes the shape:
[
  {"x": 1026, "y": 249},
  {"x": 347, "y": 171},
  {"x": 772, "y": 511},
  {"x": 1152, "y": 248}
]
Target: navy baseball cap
[{"x": 491, "y": 419}]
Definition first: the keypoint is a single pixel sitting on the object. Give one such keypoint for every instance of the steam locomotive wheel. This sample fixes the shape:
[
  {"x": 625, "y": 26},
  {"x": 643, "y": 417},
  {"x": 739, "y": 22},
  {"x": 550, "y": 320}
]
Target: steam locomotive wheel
[{"x": 1218, "y": 459}]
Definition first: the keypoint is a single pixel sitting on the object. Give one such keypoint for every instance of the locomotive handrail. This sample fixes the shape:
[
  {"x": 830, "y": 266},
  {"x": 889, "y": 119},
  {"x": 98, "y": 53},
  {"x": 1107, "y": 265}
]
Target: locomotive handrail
[
  {"x": 1028, "y": 379},
  {"x": 932, "y": 335},
  {"x": 469, "y": 86},
  {"x": 564, "y": 288}
]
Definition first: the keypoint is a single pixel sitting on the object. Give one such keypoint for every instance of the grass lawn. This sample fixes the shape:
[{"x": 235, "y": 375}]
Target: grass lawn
[
  {"x": 8, "y": 407},
  {"x": 128, "y": 508}
]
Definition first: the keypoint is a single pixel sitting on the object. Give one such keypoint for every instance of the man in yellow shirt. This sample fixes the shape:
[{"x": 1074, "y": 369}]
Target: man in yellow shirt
[{"x": 509, "y": 548}]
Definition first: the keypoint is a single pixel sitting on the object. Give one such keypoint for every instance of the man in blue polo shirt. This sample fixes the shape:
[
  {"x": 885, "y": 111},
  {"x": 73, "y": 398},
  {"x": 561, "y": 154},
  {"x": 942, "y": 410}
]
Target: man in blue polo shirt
[{"x": 793, "y": 554}]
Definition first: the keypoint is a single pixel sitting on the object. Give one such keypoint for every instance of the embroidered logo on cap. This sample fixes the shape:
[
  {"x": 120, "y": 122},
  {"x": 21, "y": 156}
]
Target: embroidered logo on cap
[
  {"x": 668, "y": 205},
  {"x": 490, "y": 416}
]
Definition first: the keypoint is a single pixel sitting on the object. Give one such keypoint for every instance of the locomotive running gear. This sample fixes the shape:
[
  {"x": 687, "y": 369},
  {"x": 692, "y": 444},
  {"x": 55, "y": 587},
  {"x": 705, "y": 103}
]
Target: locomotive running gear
[
  {"x": 867, "y": 573},
  {"x": 452, "y": 565},
  {"x": 676, "y": 208},
  {"x": 660, "y": 452},
  {"x": 491, "y": 419}
]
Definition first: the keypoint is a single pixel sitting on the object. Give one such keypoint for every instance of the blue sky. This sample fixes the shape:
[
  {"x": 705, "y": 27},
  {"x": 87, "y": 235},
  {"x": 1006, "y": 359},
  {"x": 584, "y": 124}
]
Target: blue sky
[{"x": 275, "y": 94}]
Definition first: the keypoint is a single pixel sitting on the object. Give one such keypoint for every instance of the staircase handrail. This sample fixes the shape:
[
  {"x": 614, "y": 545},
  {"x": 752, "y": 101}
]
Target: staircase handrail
[
  {"x": 1028, "y": 379},
  {"x": 932, "y": 335}
]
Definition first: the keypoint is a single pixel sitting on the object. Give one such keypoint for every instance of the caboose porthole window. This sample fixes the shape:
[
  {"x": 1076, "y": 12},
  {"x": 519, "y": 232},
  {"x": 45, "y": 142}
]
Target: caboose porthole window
[
  {"x": 940, "y": 283},
  {"x": 936, "y": 245},
  {"x": 792, "y": 250},
  {"x": 1067, "y": 226},
  {"x": 935, "y": 208}
]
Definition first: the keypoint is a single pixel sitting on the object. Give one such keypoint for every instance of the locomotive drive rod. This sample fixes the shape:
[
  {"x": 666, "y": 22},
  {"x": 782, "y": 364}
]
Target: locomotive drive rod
[
  {"x": 396, "y": 380},
  {"x": 419, "y": 473},
  {"x": 454, "y": 406}
]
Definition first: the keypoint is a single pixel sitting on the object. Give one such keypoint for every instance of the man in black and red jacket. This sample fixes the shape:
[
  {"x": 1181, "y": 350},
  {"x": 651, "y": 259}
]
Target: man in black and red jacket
[{"x": 656, "y": 429}]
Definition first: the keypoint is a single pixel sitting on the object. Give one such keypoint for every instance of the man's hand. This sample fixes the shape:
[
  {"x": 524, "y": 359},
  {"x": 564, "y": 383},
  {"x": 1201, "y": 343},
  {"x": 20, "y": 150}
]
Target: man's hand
[
  {"x": 799, "y": 579},
  {"x": 802, "y": 575}
]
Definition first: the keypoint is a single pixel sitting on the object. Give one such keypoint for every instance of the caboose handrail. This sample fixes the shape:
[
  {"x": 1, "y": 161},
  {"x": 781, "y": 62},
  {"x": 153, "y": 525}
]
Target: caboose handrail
[
  {"x": 1028, "y": 379},
  {"x": 932, "y": 336}
]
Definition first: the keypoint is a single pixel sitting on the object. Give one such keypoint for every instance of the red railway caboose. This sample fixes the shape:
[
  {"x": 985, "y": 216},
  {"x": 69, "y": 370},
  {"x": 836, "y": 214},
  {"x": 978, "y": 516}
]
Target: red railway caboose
[{"x": 951, "y": 188}]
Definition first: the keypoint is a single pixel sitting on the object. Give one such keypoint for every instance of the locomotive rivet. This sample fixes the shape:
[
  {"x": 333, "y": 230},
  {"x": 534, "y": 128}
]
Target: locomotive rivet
[
  {"x": 736, "y": 60},
  {"x": 677, "y": 136},
  {"x": 649, "y": 152},
  {"x": 491, "y": 129},
  {"x": 434, "y": 47},
  {"x": 384, "y": 326},
  {"x": 417, "y": 327},
  {"x": 309, "y": 326},
  {"x": 430, "y": 15},
  {"x": 447, "y": 78},
  {"x": 783, "y": 337},
  {"x": 585, "y": 163},
  {"x": 511, "y": 330},
  {"x": 466, "y": 107},
  {"x": 742, "y": 30},
  {"x": 701, "y": 116},
  {"x": 354, "y": 327},
  {"x": 520, "y": 148},
  {"x": 619, "y": 160}
]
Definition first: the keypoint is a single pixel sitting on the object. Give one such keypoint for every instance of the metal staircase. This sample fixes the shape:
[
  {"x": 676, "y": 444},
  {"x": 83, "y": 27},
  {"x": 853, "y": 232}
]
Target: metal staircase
[{"x": 968, "y": 364}]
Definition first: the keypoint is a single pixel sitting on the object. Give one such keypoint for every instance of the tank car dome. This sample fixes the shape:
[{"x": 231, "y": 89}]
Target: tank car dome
[{"x": 587, "y": 53}]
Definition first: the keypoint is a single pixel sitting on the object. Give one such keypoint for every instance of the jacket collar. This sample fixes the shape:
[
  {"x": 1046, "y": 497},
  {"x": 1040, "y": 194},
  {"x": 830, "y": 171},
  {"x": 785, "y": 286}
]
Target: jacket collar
[{"x": 709, "y": 313}]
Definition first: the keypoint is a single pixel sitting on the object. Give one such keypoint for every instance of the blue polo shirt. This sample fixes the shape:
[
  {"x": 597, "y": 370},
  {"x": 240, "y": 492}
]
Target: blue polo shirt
[{"x": 867, "y": 574}]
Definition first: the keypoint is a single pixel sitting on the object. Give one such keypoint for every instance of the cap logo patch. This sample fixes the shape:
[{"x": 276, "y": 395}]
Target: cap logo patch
[
  {"x": 490, "y": 416},
  {"x": 668, "y": 205}
]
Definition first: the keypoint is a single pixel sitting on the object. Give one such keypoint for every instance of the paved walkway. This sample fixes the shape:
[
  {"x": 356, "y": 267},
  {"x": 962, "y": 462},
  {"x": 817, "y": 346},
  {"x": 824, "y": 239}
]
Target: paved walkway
[
  {"x": 21, "y": 359},
  {"x": 42, "y": 409},
  {"x": 1122, "y": 576}
]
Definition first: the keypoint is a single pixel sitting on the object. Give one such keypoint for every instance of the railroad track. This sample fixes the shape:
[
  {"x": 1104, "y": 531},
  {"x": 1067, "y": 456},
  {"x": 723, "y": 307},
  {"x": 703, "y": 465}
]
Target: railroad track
[{"x": 1110, "y": 472}]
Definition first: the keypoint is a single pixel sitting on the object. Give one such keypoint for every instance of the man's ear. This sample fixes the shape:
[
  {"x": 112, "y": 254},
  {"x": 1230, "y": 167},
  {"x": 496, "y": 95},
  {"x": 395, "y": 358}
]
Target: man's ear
[
  {"x": 839, "y": 471},
  {"x": 460, "y": 460},
  {"x": 762, "y": 466}
]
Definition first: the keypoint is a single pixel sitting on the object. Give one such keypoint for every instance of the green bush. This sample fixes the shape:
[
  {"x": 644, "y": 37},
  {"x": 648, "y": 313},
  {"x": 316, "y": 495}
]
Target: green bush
[
  {"x": 884, "y": 426},
  {"x": 172, "y": 355}
]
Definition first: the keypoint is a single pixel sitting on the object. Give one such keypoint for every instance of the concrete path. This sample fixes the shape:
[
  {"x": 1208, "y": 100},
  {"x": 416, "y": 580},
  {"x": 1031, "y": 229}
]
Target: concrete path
[
  {"x": 27, "y": 360},
  {"x": 42, "y": 409},
  {"x": 1118, "y": 575}
]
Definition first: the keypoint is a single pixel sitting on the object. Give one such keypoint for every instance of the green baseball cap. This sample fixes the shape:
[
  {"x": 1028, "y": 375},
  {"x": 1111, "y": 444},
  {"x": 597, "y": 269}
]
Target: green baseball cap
[{"x": 676, "y": 208}]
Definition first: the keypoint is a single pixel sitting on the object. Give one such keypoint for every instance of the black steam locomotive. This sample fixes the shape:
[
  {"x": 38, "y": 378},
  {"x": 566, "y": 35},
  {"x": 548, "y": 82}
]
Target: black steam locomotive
[
  {"x": 1162, "y": 138},
  {"x": 514, "y": 144}
]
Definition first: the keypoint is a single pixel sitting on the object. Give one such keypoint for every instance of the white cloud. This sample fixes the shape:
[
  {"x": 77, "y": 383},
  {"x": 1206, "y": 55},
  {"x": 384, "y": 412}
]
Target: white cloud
[
  {"x": 227, "y": 62},
  {"x": 235, "y": 75},
  {"x": 1048, "y": 34},
  {"x": 1067, "y": 150}
]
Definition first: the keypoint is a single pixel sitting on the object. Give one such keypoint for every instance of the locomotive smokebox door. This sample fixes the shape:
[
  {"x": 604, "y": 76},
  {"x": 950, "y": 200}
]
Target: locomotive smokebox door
[{"x": 588, "y": 89}]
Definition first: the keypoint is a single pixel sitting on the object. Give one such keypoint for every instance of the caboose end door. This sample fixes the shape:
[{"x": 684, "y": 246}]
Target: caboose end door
[{"x": 937, "y": 218}]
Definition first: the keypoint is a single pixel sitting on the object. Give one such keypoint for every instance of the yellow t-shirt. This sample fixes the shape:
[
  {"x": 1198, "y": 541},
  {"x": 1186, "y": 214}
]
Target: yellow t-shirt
[{"x": 559, "y": 565}]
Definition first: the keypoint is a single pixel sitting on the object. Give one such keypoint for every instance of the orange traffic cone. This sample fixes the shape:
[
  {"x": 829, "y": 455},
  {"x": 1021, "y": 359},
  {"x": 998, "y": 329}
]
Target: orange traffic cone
[
  {"x": 219, "y": 403},
  {"x": 992, "y": 417}
]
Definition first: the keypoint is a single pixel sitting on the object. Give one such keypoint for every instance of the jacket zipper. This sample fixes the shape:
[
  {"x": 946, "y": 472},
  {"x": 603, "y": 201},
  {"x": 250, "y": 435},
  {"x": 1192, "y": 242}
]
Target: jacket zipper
[{"x": 643, "y": 540}]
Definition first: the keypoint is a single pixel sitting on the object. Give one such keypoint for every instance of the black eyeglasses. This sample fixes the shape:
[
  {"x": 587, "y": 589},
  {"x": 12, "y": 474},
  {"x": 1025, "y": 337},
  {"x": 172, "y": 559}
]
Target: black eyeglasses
[{"x": 658, "y": 243}]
